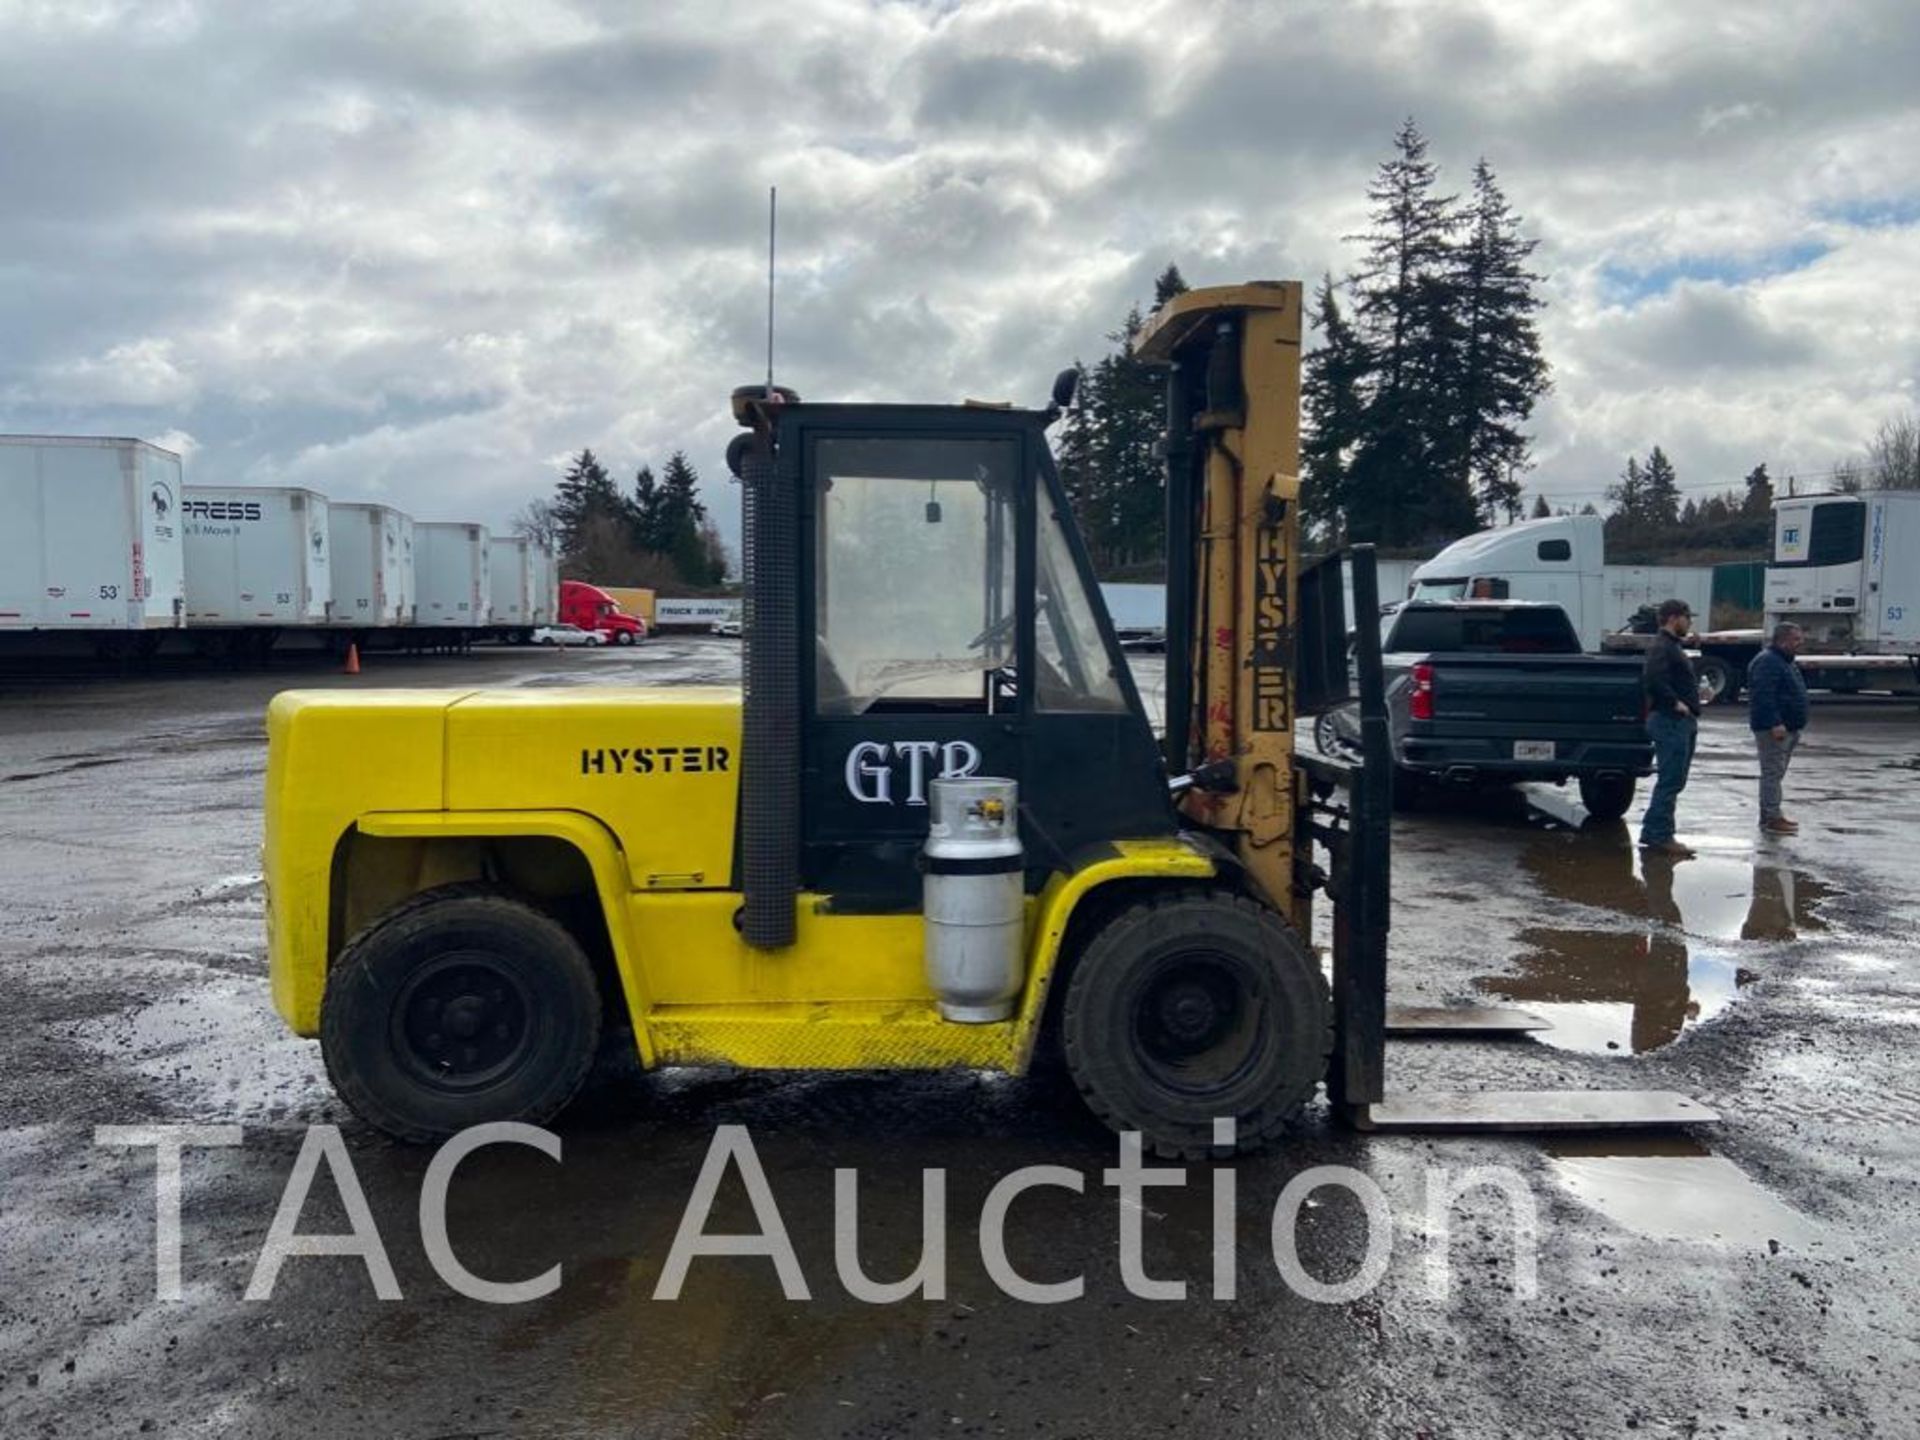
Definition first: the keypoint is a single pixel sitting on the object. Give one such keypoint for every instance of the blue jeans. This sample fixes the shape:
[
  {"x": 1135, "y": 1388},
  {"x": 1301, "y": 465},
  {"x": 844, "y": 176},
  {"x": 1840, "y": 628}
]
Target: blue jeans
[{"x": 1673, "y": 739}]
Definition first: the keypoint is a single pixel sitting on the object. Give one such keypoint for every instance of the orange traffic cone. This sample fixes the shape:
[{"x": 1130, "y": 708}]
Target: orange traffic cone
[{"x": 352, "y": 667}]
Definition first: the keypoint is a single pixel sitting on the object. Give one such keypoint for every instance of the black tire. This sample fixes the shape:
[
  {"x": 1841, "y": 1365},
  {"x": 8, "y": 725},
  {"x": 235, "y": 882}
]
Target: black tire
[
  {"x": 623, "y": 637},
  {"x": 1198, "y": 1005},
  {"x": 526, "y": 998},
  {"x": 1719, "y": 681},
  {"x": 1607, "y": 797}
]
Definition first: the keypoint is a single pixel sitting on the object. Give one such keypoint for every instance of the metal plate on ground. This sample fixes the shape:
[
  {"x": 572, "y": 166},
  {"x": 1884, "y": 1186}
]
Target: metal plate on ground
[
  {"x": 1534, "y": 1110},
  {"x": 1461, "y": 1020}
]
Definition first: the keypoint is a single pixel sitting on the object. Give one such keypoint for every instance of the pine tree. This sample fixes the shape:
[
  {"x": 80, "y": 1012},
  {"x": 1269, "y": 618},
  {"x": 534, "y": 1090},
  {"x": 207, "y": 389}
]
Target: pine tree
[
  {"x": 1629, "y": 500},
  {"x": 679, "y": 515},
  {"x": 1759, "y": 497},
  {"x": 1541, "y": 509},
  {"x": 1170, "y": 284},
  {"x": 647, "y": 534},
  {"x": 1501, "y": 372},
  {"x": 1115, "y": 456},
  {"x": 586, "y": 494},
  {"x": 1400, "y": 487},
  {"x": 1661, "y": 502},
  {"x": 1335, "y": 417},
  {"x": 1076, "y": 455}
]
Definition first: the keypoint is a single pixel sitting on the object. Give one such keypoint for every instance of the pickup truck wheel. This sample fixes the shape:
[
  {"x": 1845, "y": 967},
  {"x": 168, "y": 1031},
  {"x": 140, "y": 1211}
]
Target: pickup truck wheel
[
  {"x": 1719, "y": 681},
  {"x": 1196, "y": 1006},
  {"x": 1607, "y": 797},
  {"x": 462, "y": 1006}
]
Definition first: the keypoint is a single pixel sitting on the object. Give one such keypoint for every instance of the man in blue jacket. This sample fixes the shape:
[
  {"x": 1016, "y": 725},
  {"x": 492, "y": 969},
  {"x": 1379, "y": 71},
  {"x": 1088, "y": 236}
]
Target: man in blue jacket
[{"x": 1777, "y": 713}]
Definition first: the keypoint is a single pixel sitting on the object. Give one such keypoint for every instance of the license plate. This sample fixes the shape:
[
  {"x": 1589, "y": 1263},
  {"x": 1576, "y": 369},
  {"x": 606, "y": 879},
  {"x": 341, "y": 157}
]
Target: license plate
[{"x": 1533, "y": 749}]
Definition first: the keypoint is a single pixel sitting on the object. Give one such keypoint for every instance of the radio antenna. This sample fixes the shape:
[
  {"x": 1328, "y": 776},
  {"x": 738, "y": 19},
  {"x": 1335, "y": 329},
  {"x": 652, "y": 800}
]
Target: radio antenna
[{"x": 773, "y": 204}]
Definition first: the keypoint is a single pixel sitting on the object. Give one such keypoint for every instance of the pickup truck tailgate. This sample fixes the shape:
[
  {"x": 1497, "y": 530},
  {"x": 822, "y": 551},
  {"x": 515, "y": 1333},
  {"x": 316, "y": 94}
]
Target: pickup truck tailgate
[{"x": 1576, "y": 690}]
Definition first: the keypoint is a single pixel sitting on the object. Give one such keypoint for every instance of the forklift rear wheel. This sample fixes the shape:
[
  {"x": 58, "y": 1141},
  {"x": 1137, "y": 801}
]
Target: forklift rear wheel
[
  {"x": 1196, "y": 1007},
  {"x": 461, "y": 1007},
  {"x": 1607, "y": 797}
]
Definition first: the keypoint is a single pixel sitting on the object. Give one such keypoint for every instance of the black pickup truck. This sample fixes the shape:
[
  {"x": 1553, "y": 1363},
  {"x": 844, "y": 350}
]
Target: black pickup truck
[{"x": 1496, "y": 692}]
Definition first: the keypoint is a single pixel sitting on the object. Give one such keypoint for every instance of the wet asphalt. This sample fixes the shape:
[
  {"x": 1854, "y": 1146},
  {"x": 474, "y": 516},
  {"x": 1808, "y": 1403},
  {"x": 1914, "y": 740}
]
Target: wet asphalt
[{"x": 1758, "y": 1277}]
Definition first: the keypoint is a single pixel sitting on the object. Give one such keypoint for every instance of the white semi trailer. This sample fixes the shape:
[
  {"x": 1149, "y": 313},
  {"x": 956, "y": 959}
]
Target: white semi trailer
[
  {"x": 372, "y": 565},
  {"x": 511, "y": 584},
  {"x": 1846, "y": 569},
  {"x": 258, "y": 557},
  {"x": 546, "y": 583},
  {"x": 452, "y": 575},
  {"x": 91, "y": 538}
]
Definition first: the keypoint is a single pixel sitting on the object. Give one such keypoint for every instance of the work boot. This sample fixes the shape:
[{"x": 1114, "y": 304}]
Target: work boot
[
  {"x": 1672, "y": 849},
  {"x": 1780, "y": 825}
]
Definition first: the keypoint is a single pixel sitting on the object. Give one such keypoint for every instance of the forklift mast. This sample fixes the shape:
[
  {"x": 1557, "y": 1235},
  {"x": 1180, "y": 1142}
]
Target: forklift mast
[{"x": 1232, "y": 358}]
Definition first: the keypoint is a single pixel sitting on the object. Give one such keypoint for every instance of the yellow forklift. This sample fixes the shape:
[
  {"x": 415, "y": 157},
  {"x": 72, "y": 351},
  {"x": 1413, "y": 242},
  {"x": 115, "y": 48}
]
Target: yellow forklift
[{"x": 936, "y": 830}]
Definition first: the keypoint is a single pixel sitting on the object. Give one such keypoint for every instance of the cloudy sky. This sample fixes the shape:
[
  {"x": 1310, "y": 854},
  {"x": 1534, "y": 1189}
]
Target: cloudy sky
[{"x": 421, "y": 252}]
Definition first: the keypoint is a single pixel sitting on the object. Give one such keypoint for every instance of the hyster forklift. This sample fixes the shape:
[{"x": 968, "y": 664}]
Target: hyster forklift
[{"x": 937, "y": 830}]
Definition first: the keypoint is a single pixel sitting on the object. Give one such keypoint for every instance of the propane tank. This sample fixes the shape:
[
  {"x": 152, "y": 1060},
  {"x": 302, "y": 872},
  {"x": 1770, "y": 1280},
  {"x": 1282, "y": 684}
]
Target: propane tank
[{"x": 974, "y": 898}]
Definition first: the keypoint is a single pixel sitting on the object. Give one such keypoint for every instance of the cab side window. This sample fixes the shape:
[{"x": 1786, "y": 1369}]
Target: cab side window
[{"x": 914, "y": 575}]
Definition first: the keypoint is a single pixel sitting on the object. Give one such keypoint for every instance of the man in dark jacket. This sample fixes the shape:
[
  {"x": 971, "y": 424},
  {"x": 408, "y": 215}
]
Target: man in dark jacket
[
  {"x": 1777, "y": 713},
  {"x": 1673, "y": 724}
]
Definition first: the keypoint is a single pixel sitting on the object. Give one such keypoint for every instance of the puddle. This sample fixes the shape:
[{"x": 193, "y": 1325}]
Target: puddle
[
  {"x": 1631, "y": 991},
  {"x": 1617, "y": 992},
  {"x": 1675, "y": 1189},
  {"x": 1716, "y": 897}
]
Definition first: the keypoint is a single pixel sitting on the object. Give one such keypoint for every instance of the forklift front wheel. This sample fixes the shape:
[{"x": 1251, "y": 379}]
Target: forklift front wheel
[
  {"x": 463, "y": 1006},
  {"x": 1195, "y": 1007}
]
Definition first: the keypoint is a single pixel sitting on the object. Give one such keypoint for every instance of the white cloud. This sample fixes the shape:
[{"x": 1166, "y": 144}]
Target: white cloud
[{"x": 421, "y": 252}]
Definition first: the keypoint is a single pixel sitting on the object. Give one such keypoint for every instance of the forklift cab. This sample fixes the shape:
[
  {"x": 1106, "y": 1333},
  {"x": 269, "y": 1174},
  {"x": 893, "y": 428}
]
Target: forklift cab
[{"x": 948, "y": 624}]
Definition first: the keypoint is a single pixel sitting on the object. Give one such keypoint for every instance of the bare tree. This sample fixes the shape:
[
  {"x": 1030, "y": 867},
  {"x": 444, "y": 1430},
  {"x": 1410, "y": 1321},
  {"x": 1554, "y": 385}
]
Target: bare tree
[
  {"x": 1849, "y": 477},
  {"x": 1893, "y": 456},
  {"x": 536, "y": 521}
]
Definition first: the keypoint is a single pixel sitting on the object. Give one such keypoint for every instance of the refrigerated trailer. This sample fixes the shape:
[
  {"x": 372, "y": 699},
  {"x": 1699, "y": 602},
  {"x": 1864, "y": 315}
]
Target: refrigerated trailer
[
  {"x": 91, "y": 537},
  {"x": 372, "y": 565},
  {"x": 258, "y": 557},
  {"x": 452, "y": 576},
  {"x": 1846, "y": 569}
]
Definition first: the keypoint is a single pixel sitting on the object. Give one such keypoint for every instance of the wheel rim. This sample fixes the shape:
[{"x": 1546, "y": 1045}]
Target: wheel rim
[
  {"x": 1330, "y": 740},
  {"x": 462, "y": 1022},
  {"x": 1197, "y": 1025}
]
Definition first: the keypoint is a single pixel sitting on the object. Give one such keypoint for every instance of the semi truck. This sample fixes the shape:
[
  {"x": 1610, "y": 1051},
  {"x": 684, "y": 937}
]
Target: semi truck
[
  {"x": 452, "y": 576},
  {"x": 1559, "y": 561},
  {"x": 91, "y": 540},
  {"x": 592, "y": 608},
  {"x": 257, "y": 557},
  {"x": 372, "y": 565}
]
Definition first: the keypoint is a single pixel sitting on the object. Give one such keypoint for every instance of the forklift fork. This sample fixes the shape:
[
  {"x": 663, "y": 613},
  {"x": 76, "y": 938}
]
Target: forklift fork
[{"x": 1348, "y": 811}]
